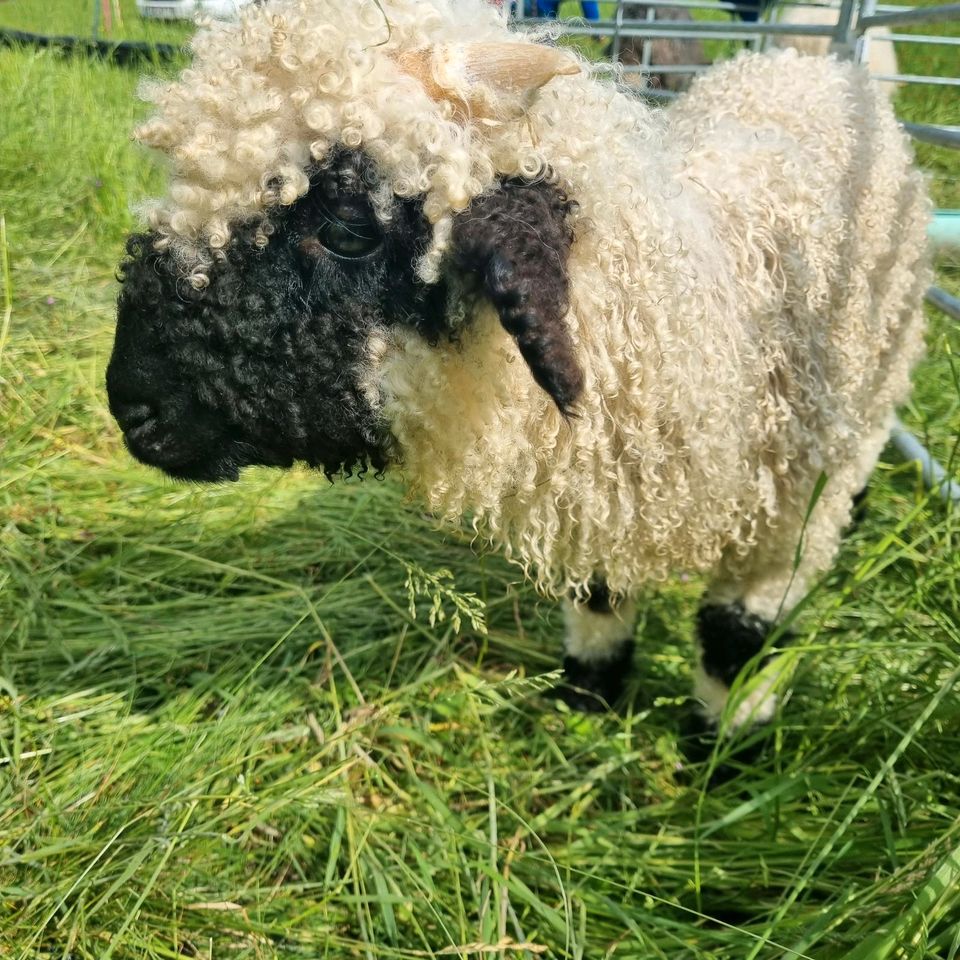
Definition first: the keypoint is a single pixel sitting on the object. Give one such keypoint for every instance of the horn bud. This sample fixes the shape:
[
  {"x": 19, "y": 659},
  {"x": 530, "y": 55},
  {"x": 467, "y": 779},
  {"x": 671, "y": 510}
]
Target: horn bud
[{"x": 487, "y": 80}]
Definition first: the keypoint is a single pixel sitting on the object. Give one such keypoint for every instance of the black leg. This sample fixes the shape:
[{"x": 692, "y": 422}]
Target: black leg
[
  {"x": 599, "y": 599},
  {"x": 599, "y": 643},
  {"x": 730, "y": 637},
  {"x": 594, "y": 685},
  {"x": 859, "y": 512}
]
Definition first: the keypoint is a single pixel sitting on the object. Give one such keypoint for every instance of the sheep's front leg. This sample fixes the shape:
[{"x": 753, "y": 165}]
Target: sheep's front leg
[
  {"x": 730, "y": 636},
  {"x": 744, "y": 605},
  {"x": 599, "y": 646}
]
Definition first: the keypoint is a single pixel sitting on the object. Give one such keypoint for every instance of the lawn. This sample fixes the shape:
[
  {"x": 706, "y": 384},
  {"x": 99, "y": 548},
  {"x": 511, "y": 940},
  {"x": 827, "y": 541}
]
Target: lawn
[{"x": 285, "y": 719}]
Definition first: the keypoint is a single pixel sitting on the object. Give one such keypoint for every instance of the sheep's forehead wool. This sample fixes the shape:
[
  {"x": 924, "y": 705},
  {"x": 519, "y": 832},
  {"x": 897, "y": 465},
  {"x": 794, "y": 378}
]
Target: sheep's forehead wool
[{"x": 267, "y": 96}]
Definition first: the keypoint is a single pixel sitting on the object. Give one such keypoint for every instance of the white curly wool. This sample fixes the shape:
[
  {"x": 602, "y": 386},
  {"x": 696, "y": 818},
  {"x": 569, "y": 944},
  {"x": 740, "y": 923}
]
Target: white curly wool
[
  {"x": 745, "y": 284},
  {"x": 268, "y": 94}
]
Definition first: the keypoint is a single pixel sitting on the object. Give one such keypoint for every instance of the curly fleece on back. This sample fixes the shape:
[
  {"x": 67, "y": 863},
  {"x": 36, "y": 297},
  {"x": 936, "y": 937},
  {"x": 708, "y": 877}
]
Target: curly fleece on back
[{"x": 744, "y": 283}]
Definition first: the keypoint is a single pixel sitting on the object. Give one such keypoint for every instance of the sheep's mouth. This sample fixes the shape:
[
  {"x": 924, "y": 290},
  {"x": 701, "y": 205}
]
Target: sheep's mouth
[
  {"x": 177, "y": 460},
  {"x": 219, "y": 471},
  {"x": 197, "y": 470},
  {"x": 227, "y": 468}
]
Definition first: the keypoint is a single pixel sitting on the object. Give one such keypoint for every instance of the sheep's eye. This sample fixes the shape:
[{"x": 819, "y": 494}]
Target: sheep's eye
[{"x": 350, "y": 239}]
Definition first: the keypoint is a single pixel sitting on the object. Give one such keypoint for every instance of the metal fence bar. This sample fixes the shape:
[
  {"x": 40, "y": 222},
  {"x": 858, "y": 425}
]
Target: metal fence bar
[
  {"x": 934, "y": 476},
  {"x": 920, "y": 78},
  {"x": 941, "y": 14},
  {"x": 944, "y": 231},
  {"x": 673, "y": 28},
  {"x": 944, "y": 301},
  {"x": 823, "y": 4},
  {"x": 862, "y": 41},
  {"x": 615, "y": 50},
  {"x": 725, "y": 6},
  {"x": 942, "y": 136},
  {"x": 647, "y": 46},
  {"x": 665, "y": 68},
  {"x": 914, "y": 38},
  {"x": 664, "y": 32},
  {"x": 652, "y": 93},
  {"x": 842, "y": 43}
]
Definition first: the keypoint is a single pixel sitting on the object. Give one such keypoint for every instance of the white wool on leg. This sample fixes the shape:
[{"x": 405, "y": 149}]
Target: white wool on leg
[
  {"x": 756, "y": 701},
  {"x": 592, "y": 636}
]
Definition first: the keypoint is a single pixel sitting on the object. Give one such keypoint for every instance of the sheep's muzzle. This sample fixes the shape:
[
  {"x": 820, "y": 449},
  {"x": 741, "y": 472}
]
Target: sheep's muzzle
[{"x": 163, "y": 422}]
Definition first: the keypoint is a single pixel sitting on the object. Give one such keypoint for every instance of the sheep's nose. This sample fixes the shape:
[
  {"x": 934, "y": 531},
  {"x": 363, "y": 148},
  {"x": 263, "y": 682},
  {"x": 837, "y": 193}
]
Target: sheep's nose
[
  {"x": 134, "y": 402},
  {"x": 135, "y": 419},
  {"x": 143, "y": 431}
]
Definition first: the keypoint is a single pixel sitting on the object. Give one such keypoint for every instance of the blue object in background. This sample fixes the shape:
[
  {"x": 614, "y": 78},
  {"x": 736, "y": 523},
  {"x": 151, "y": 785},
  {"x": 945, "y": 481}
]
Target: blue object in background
[
  {"x": 751, "y": 16},
  {"x": 591, "y": 9},
  {"x": 549, "y": 8},
  {"x": 944, "y": 231}
]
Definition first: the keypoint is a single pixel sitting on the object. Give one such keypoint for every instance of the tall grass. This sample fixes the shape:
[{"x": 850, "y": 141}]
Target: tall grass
[{"x": 288, "y": 719}]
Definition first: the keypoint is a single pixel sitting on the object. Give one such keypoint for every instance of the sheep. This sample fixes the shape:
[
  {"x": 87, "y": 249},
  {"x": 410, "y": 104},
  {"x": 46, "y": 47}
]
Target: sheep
[
  {"x": 881, "y": 56},
  {"x": 622, "y": 342},
  {"x": 662, "y": 51}
]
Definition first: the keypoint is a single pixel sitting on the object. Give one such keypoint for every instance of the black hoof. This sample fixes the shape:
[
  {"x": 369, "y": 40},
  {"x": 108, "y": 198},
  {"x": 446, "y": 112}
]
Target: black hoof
[
  {"x": 860, "y": 509},
  {"x": 698, "y": 742},
  {"x": 593, "y": 686},
  {"x": 580, "y": 700}
]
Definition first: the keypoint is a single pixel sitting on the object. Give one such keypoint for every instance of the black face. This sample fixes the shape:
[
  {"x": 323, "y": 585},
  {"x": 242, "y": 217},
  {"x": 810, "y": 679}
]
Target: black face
[{"x": 263, "y": 365}]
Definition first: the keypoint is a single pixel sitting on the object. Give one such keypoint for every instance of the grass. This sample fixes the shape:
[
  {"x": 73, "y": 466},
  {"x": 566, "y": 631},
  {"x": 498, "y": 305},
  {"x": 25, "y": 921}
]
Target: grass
[
  {"x": 81, "y": 18},
  {"x": 282, "y": 719}
]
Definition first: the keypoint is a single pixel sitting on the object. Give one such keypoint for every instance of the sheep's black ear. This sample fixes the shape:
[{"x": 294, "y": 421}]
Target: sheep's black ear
[{"x": 516, "y": 240}]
